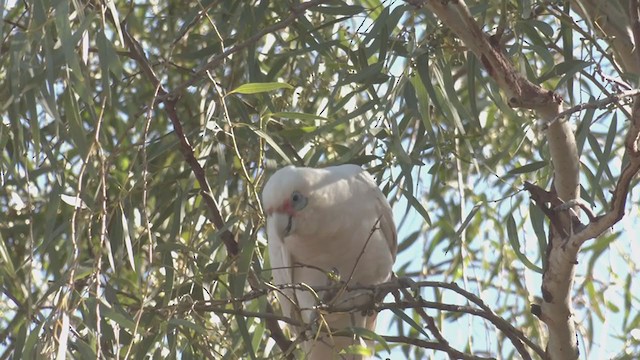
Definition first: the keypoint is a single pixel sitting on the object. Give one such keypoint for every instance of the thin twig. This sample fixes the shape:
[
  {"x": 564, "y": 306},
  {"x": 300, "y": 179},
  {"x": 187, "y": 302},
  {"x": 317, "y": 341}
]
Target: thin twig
[
  {"x": 296, "y": 11},
  {"x": 453, "y": 353},
  {"x": 215, "y": 216},
  {"x": 597, "y": 104},
  {"x": 482, "y": 310}
]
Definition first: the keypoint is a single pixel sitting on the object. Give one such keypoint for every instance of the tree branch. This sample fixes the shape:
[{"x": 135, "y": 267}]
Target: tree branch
[
  {"x": 621, "y": 191},
  {"x": 521, "y": 93},
  {"x": 597, "y": 104},
  {"x": 612, "y": 22},
  {"x": 453, "y": 353},
  {"x": 482, "y": 310},
  {"x": 170, "y": 103},
  {"x": 571, "y": 242}
]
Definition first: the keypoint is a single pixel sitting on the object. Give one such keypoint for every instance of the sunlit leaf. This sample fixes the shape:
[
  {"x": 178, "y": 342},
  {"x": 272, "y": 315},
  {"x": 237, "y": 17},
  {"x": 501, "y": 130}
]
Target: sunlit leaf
[
  {"x": 74, "y": 201},
  {"x": 255, "y": 88}
]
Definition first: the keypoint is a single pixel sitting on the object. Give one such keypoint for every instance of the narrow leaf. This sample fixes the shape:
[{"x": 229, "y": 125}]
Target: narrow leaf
[
  {"x": 415, "y": 203},
  {"x": 512, "y": 232},
  {"x": 297, "y": 115},
  {"x": 74, "y": 201},
  {"x": 127, "y": 240},
  {"x": 528, "y": 168},
  {"x": 255, "y": 88},
  {"x": 273, "y": 144},
  {"x": 368, "y": 335},
  {"x": 409, "y": 321}
]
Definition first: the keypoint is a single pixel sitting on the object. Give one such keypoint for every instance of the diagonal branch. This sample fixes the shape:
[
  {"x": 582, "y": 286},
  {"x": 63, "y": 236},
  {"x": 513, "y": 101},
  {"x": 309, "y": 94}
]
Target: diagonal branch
[
  {"x": 170, "y": 104},
  {"x": 215, "y": 216},
  {"x": 521, "y": 93},
  {"x": 621, "y": 191},
  {"x": 453, "y": 353},
  {"x": 597, "y": 104},
  {"x": 611, "y": 20}
]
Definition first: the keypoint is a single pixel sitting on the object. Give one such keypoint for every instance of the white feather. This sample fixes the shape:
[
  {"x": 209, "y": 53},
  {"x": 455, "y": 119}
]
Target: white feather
[{"x": 346, "y": 226}]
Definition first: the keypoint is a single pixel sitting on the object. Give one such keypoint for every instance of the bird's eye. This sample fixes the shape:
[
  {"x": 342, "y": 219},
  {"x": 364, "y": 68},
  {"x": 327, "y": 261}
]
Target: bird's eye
[{"x": 298, "y": 201}]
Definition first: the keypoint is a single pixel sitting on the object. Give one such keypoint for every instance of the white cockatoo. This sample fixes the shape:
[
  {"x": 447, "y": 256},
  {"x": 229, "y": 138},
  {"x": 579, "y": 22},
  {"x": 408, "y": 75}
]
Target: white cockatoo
[{"x": 324, "y": 224}]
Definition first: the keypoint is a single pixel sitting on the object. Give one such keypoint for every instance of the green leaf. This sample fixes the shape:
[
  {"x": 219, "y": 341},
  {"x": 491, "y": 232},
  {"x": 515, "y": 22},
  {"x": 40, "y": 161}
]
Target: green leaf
[
  {"x": 76, "y": 129},
  {"x": 273, "y": 144},
  {"x": 512, "y": 232},
  {"x": 537, "y": 223},
  {"x": 84, "y": 350},
  {"x": 188, "y": 324},
  {"x": 584, "y": 127},
  {"x": 74, "y": 201},
  {"x": 467, "y": 219},
  {"x": 595, "y": 299},
  {"x": 415, "y": 203},
  {"x": 357, "y": 350},
  {"x": 368, "y": 75},
  {"x": 531, "y": 167},
  {"x": 31, "y": 342},
  {"x": 347, "y": 10},
  {"x": 608, "y": 148},
  {"x": 127, "y": 239},
  {"x": 297, "y": 115},
  {"x": 566, "y": 68},
  {"x": 65, "y": 36},
  {"x": 544, "y": 27},
  {"x": 367, "y": 335},
  {"x": 401, "y": 314},
  {"x": 121, "y": 318},
  {"x": 8, "y": 268},
  {"x": 255, "y": 88}
]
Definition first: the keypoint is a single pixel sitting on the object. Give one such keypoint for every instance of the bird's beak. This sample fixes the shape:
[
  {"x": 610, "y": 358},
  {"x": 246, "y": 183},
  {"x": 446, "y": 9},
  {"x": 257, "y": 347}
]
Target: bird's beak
[{"x": 280, "y": 223}]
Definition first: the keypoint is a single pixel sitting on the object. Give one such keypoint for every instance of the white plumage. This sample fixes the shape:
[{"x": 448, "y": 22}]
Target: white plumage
[{"x": 327, "y": 220}]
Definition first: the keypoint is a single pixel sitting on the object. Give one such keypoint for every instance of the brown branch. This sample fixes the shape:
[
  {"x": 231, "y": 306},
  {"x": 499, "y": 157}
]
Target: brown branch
[
  {"x": 501, "y": 324},
  {"x": 597, "y": 104},
  {"x": 520, "y": 92},
  {"x": 215, "y": 217},
  {"x": 418, "y": 304},
  {"x": 429, "y": 321},
  {"x": 261, "y": 315},
  {"x": 453, "y": 353},
  {"x": 570, "y": 242},
  {"x": 621, "y": 191},
  {"x": 611, "y": 20},
  {"x": 504, "y": 325},
  {"x": 170, "y": 103}
]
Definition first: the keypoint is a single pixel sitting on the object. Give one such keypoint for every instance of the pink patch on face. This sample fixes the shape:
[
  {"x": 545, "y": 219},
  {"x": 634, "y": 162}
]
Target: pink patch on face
[{"x": 284, "y": 208}]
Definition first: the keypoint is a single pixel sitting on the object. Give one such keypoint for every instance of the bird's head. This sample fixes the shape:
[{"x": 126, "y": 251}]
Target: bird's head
[
  {"x": 302, "y": 201},
  {"x": 285, "y": 197}
]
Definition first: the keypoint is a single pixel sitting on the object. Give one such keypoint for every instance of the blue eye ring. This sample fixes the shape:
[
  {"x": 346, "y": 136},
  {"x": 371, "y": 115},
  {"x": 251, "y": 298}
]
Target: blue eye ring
[{"x": 298, "y": 201}]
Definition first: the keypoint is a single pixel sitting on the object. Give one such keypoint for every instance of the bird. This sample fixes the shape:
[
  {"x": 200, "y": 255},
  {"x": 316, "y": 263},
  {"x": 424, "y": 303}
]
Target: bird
[{"x": 326, "y": 226}]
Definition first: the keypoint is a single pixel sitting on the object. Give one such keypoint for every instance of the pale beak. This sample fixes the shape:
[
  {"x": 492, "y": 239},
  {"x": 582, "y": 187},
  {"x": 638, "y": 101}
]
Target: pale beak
[{"x": 281, "y": 223}]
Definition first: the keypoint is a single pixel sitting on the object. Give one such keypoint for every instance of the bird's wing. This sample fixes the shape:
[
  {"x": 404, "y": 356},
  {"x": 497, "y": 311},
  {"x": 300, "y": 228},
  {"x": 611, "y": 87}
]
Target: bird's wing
[{"x": 387, "y": 226}]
